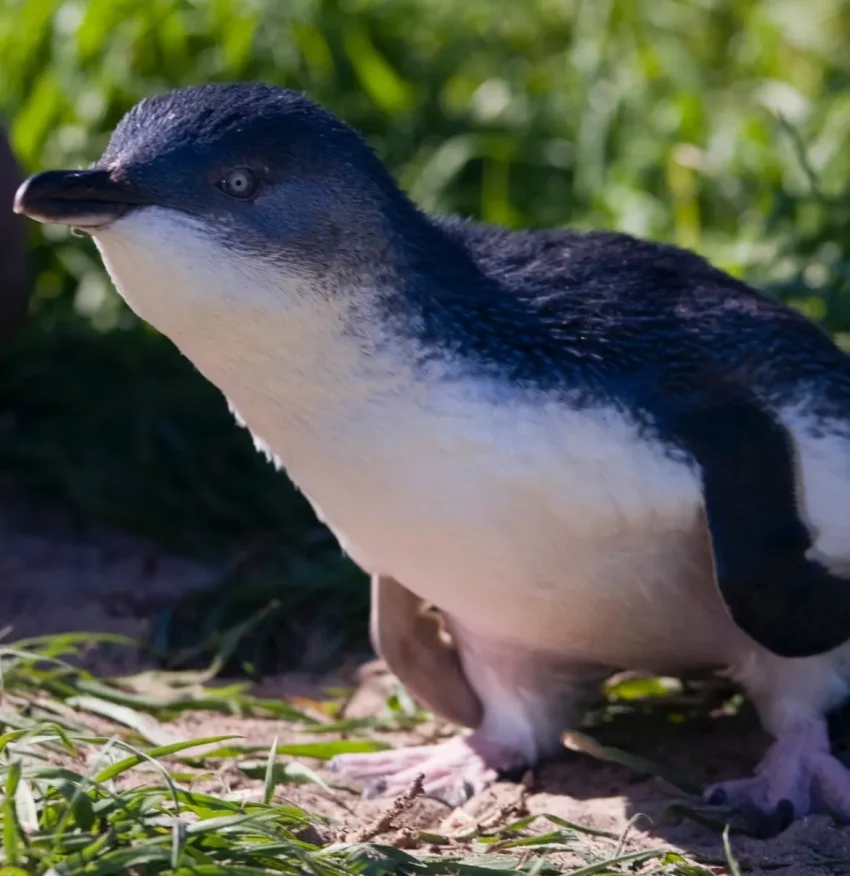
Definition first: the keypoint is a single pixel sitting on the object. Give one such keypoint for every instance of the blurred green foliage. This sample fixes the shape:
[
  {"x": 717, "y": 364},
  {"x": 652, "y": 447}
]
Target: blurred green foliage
[{"x": 721, "y": 125}]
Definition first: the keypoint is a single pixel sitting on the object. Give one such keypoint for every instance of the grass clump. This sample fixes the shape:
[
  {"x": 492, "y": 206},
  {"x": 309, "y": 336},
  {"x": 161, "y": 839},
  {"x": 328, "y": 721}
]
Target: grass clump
[{"x": 95, "y": 778}]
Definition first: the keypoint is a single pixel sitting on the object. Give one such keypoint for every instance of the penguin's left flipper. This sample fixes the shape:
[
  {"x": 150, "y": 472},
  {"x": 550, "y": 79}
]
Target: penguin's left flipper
[
  {"x": 785, "y": 600},
  {"x": 412, "y": 645}
]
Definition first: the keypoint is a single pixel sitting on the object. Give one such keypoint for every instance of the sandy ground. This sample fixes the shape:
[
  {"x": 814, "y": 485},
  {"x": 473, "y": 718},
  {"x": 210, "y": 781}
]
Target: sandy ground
[{"x": 56, "y": 577}]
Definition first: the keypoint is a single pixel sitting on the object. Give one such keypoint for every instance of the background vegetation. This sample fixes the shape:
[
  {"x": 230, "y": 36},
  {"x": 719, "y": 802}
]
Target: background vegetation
[{"x": 721, "y": 125}]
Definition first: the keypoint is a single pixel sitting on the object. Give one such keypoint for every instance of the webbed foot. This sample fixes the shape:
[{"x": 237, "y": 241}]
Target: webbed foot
[
  {"x": 798, "y": 775},
  {"x": 454, "y": 771}
]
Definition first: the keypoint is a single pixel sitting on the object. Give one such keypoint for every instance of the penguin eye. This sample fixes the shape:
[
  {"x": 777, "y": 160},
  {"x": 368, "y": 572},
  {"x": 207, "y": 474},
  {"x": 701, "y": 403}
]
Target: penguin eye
[{"x": 239, "y": 183}]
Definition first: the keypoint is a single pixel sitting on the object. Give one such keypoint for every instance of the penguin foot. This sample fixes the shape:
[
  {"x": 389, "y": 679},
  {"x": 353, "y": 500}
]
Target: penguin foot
[
  {"x": 453, "y": 771},
  {"x": 797, "y": 776}
]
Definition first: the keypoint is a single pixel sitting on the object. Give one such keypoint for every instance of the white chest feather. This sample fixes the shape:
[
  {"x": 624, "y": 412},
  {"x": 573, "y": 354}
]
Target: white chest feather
[{"x": 525, "y": 520}]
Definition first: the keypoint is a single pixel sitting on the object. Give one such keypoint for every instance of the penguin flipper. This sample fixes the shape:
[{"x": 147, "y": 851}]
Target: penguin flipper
[{"x": 788, "y": 602}]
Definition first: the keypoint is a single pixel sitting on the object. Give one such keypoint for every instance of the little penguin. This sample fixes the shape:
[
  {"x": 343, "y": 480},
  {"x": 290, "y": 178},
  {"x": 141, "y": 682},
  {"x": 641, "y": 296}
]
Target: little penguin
[{"x": 589, "y": 452}]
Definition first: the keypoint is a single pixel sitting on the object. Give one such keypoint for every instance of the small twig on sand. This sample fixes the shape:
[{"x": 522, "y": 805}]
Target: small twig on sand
[
  {"x": 386, "y": 820},
  {"x": 516, "y": 808}
]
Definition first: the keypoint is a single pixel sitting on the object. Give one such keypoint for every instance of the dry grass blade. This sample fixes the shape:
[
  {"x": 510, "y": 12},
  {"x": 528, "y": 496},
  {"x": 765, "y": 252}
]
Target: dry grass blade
[
  {"x": 269, "y": 781},
  {"x": 388, "y": 818},
  {"x": 734, "y": 866}
]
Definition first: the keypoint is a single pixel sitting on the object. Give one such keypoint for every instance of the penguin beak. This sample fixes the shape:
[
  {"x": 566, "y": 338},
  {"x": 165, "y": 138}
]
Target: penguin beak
[{"x": 82, "y": 198}]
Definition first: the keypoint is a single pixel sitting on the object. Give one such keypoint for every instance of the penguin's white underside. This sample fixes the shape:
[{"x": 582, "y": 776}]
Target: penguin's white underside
[{"x": 566, "y": 529}]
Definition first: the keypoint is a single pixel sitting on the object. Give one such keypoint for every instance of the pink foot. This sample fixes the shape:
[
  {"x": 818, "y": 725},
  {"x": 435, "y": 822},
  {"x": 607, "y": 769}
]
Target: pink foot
[
  {"x": 454, "y": 771},
  {"x": 797, "y": 776}
]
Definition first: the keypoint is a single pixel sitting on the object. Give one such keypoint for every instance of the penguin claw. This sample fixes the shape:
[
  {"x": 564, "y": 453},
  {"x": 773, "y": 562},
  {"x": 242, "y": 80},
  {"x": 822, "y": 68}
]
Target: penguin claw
[
  {"x": 777, "y": 821},
  {"x": 797, "y": 776}
]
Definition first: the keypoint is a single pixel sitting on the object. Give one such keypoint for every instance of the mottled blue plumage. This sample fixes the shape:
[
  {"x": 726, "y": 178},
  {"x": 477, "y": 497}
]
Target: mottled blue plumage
[
  {"x": 172, "y": 146},
  {"x": 596, "y": 311}
]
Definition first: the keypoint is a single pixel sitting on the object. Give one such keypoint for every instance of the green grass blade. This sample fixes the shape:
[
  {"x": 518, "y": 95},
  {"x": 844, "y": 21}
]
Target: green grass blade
[
  {"x": 13, "y": 841},
  {"x": 160, "y": 751}
]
